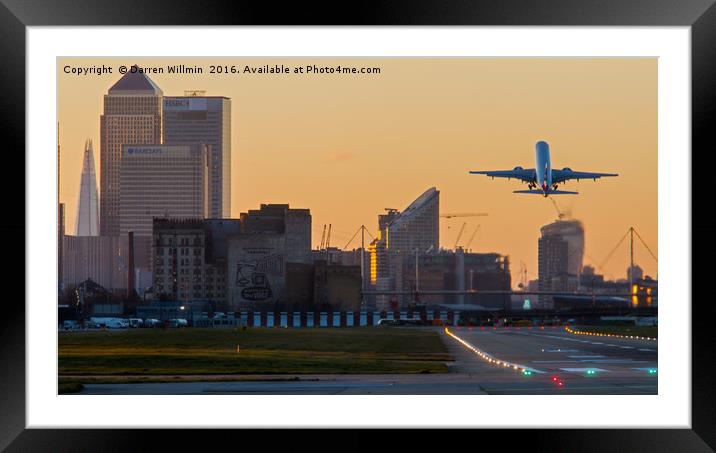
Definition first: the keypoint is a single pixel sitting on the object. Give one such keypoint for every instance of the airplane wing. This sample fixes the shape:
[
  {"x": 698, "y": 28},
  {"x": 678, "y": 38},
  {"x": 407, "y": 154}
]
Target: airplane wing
[
  {"x": 523, "y": 174},
  {"x": 566, "y": 174}
]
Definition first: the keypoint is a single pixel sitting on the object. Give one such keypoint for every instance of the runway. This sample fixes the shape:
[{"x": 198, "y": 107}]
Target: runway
[{"x": 583, "y": 364}]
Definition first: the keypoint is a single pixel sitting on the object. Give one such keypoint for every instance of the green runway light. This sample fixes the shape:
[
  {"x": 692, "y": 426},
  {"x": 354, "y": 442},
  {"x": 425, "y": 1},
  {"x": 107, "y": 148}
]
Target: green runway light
[
  {"x": 527, "y": 373},
  {"x": 591, "y": 372},
  {"x": 652, "y": 370}
]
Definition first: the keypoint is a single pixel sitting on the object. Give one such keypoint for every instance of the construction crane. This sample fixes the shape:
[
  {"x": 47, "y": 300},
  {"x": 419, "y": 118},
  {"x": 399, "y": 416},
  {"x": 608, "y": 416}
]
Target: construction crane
[
  {"x": 464, "y": 214},
  {"x": 472, "y": 237},
  {"x": 459, "y": 235},
  {"x": 323, "y": 237},
  {"x": 328, "y": 238}
]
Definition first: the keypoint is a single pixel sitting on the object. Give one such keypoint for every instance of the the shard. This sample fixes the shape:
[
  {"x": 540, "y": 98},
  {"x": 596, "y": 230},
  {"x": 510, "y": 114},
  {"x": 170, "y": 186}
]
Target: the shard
[{"x": 88, "y": 206}]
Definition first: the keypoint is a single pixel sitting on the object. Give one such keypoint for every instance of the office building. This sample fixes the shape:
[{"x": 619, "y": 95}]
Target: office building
[
  {"x": 87, "y": 221},
  {"x": 132, "y": 114},
  {"x": 402, "y": 236},
  {"x": 560, "y": 257},
  {"x": 204, "y": 119},
  {"x": 417, "y": 227},
  {"x": 161, "y": 181}
]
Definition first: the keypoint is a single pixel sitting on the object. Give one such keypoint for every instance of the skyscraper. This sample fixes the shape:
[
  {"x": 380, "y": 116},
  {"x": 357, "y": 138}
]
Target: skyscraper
[
  {"x": 204, "y": 119},
  {"x": 60, "y": 220},
  {"x": 132, "y": 114},
  {"x": 87, "y": 222},
  {"x": 401, "y": 235},
  {"x": 418, "y": 226},
  {"x": 161, "y": 181},
  {"x": 560, "y": 257}
]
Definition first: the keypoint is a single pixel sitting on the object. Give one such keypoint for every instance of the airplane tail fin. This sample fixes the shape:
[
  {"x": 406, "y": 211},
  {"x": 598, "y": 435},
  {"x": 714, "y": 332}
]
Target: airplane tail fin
[{"x": 551, "y": 192}]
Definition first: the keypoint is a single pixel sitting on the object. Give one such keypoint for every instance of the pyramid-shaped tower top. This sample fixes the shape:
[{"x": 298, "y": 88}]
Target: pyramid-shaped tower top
[{"x": 135, "y": 81}]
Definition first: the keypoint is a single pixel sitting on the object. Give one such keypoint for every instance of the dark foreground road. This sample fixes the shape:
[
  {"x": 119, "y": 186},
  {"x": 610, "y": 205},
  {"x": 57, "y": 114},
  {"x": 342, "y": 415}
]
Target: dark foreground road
[{"x": 618, "y": 366}]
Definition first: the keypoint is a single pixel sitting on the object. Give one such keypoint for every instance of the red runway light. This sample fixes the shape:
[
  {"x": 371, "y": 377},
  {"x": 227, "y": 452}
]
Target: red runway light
[{"x": 482, "y": 328}]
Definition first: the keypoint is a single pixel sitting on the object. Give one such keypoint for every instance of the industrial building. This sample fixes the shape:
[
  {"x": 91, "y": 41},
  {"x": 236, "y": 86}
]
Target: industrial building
[
  {"x": 322, "y": 286},
  {"x": 190, "y": 258},
  {"x": 103, "y": 259},
  {"x": 237, "y": 263},
  {"x": 271, "y": 237},
  {"x": 460, "y": 271}
]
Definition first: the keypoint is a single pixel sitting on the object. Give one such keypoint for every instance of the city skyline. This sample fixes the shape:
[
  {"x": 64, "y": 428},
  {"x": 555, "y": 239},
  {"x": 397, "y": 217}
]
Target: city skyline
[{"x": 348, "y": 147}]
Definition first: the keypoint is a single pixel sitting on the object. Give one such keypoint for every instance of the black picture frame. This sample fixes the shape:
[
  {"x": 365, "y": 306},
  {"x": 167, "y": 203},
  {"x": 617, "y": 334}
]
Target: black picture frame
[{"x": 700, "y": 15}]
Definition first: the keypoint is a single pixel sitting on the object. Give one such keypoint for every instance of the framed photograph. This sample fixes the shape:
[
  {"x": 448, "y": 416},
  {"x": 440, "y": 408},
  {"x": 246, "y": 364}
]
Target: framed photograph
[{"x": 454, "y": 224}]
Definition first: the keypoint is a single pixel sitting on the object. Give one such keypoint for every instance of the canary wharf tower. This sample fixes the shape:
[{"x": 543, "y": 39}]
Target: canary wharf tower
[{"x": 132, "y": 114}]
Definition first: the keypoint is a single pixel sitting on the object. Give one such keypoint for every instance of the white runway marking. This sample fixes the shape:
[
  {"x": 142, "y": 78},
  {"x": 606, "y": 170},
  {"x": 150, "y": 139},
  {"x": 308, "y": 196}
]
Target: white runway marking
[
  {"x": 617, "y": 361},
  {"x": 556, "y": 361},
  {"x": 582, "y": 370},
  {"x": 647, "y": 350}
]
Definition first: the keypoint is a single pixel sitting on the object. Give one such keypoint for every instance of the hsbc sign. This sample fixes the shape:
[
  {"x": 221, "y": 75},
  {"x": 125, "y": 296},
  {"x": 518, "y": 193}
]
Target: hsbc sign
[{"x": 174, "y": 104}]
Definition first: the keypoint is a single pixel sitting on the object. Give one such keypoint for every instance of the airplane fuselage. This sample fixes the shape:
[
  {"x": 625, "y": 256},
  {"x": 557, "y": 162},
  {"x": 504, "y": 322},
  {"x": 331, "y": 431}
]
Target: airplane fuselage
[
  {"x": 543, "y": 167},
  {"x": 543, "y": 180}
]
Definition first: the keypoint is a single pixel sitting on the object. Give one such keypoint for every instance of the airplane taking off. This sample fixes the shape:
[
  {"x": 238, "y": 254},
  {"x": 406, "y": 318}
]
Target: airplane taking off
[{"x": 542, "y": 175}]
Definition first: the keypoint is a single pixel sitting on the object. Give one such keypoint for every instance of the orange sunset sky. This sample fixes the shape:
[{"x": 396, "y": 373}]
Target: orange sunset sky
[{"x": 348, "y": 146}]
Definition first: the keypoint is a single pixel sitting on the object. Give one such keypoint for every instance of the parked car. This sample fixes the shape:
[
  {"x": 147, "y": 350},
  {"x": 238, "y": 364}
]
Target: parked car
[
  {"x": 70, "y": 325},
  {"x": 151, "y": 322}
]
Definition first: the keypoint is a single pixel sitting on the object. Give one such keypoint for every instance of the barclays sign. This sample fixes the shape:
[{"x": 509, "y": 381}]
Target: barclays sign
[{"x": 144, "y": 150}]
